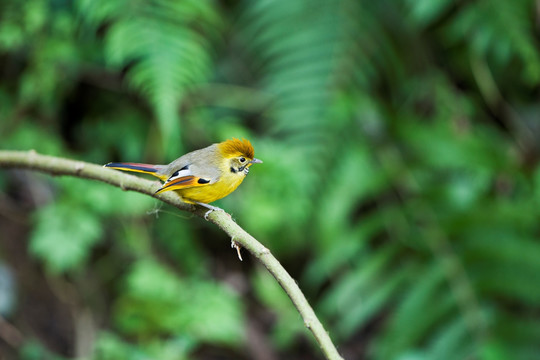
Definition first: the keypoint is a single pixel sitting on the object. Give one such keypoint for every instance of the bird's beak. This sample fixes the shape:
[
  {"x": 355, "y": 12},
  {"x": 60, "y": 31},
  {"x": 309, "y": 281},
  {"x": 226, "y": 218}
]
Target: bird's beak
[{"x": 256, "y": 161}]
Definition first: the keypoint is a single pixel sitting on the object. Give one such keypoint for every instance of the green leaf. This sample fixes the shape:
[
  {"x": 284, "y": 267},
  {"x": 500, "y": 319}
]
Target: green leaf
[
  {"x": 500, "y": 29},
  {"x": 157, "y": 301},
  {"x": 425, "y": 12},
  {"x": 166, "y": 45},
  {"x": 104, "y": 199},
  {"x": 64, "y": 235},
  {"x": 30, "y": 136},
  {"x": 110, "y": 347},
  {"x": 451, "y": 341},
  {"x": 420, "y": 309}
]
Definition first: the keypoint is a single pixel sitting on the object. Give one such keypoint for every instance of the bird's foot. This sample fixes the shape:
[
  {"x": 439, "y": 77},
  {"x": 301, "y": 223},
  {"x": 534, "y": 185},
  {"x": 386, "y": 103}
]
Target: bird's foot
[{"x": 210, "y": 209}]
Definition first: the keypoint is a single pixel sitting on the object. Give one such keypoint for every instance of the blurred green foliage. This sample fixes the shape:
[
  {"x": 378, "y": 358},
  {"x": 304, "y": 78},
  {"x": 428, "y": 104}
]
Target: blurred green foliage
[{"x": 399, "y": 185}]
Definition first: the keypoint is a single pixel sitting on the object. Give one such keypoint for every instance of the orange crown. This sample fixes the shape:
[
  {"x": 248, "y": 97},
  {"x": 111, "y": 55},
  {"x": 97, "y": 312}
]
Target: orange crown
[{"x": 235, "y": 147}]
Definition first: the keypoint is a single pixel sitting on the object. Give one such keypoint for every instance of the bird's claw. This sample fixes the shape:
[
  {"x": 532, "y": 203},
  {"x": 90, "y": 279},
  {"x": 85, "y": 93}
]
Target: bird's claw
[{"x": 210, "y": 209}]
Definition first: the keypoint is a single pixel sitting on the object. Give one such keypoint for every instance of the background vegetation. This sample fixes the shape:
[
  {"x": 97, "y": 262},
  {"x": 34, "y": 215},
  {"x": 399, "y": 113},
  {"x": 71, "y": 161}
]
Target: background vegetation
[{"x": 400, "y": 183}]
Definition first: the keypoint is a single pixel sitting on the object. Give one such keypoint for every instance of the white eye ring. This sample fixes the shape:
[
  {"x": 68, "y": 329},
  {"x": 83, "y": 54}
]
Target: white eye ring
[{"x": 242, "y": 159}]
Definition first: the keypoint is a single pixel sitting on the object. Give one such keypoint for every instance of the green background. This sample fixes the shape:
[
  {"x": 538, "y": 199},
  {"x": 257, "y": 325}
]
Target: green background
[{"x": 400, "y": 183}]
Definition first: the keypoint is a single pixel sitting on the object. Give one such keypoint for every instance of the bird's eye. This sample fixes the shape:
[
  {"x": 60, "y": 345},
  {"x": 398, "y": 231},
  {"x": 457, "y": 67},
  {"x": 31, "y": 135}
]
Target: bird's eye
[{"x": 242, "y": 159}]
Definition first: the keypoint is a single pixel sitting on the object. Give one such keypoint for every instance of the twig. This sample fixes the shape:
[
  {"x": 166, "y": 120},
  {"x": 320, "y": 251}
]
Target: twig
[
  {"x": 10, "y": 334},
  {"x": 60, "y": 166}
]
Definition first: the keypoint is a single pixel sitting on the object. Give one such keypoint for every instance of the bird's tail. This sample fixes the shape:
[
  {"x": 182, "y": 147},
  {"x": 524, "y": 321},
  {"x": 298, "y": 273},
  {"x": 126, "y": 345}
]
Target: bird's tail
[{"x": 136, "y": 167}]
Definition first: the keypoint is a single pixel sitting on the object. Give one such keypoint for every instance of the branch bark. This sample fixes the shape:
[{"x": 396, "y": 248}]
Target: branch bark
[{"x": 60, "y": 166}]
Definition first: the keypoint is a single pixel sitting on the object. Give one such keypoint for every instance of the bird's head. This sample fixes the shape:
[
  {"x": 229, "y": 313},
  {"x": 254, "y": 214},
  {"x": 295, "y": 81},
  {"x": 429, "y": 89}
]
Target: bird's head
[{"x": 239, "y": 154}]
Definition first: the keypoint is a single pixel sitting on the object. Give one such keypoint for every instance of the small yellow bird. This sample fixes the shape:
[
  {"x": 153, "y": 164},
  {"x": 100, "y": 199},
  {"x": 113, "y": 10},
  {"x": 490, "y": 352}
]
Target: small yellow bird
[{"x": 202, "y": 176}]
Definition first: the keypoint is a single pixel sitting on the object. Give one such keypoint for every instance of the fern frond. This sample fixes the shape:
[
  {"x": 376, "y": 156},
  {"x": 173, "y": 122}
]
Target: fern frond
[
  {"x": 166, "y": 47},
  {"x": 502, "y": 30},
  {"x": 417, "y": 314}
]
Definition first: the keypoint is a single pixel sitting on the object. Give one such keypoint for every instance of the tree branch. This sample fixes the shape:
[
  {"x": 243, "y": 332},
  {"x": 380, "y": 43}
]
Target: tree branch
[{"x": 60, "y": 166}]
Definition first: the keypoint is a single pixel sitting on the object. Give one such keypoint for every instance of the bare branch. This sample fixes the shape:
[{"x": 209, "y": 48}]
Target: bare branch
[{"x": 60, "y": 166}]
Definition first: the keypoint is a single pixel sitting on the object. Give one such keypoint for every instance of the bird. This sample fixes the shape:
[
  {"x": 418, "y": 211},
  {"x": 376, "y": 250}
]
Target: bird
[{"x": 201, "y": 176}]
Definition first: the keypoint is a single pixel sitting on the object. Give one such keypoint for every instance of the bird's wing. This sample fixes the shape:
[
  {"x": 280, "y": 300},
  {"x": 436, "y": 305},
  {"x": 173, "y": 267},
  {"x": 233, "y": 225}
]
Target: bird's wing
[
  {"x": 192, "y": 169},
  {"x": 183, "y": 182},
  {"x": 188, "y": 176}
]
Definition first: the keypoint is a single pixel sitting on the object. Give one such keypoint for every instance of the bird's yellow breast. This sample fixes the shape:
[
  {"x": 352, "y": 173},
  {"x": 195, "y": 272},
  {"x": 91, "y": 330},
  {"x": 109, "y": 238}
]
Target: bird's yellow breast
[{"x": 227, "y": 183}]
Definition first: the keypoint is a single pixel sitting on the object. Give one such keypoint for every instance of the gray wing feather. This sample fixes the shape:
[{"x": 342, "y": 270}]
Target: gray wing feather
[{"x": 197, "y": 163}]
